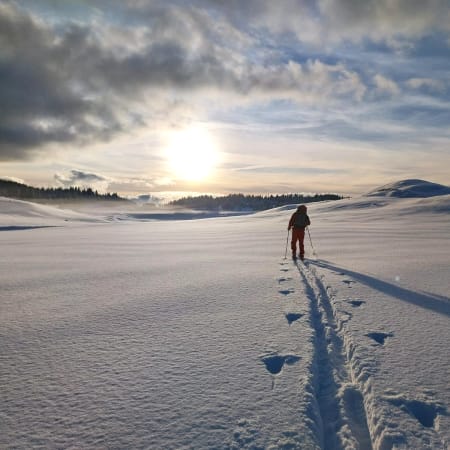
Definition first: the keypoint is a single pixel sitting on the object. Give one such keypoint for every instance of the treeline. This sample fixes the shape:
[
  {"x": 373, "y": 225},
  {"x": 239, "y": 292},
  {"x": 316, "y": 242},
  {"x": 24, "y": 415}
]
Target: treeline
[
  {"x": 13, "y": 189},
  {"x": 241, "y": 202}
]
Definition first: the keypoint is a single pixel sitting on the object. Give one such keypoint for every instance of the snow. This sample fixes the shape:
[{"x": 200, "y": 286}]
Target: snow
[
  {"x": 198, "y": 334},
  {"x": 19, "y": 214},
  {"x": 411, "y": 188}
]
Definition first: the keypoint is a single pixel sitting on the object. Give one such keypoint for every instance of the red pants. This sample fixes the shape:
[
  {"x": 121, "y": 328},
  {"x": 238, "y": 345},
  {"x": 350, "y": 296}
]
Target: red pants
[{"x": 298, "y": 234}]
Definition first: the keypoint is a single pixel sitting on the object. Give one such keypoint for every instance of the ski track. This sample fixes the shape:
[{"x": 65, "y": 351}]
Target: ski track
[
  {"x": 341, "y": 404},
  {"x": 344, "y": 409}
]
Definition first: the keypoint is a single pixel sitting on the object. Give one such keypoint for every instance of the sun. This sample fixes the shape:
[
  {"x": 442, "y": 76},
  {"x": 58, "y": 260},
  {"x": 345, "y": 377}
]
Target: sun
[{"x": 192, "y": 153}]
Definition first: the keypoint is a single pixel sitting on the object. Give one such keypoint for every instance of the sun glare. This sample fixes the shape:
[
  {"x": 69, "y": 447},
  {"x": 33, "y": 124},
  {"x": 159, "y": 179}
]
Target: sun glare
[{"x": 192, "y": 154}]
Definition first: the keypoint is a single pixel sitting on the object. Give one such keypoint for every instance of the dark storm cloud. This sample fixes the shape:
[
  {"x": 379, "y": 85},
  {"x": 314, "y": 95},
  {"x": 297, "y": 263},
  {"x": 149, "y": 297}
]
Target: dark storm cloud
[
  {"x": 39, "y": 98},
  {"x": 68, "y": 82},
  {"x": 60, "y": 85}
]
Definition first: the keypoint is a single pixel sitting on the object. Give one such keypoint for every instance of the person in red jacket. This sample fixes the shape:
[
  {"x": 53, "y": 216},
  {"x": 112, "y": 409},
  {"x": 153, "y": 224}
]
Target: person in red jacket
[{"x": 298, "y": 222}]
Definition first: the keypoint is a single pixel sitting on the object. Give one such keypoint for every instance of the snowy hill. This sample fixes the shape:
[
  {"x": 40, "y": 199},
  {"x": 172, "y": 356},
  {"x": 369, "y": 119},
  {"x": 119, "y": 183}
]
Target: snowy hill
[
  {"x": 22, "y": 214},
  {"x": 410, "y": 188},
  {"x": 199, "y": 334},
  {"x": 396, "y": 199},
  {"x": 377, "y": 207},
  {"x": 403, "y": 198}
]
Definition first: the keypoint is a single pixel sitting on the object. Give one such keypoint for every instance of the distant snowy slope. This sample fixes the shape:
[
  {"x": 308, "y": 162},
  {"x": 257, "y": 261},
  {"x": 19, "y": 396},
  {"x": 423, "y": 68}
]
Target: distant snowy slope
[
  {"x": 395, "y": 200},
  {"x": 410, "y": 188},
  {"x": 18, "y": 213},
  {"x": 390, "y": 206}
]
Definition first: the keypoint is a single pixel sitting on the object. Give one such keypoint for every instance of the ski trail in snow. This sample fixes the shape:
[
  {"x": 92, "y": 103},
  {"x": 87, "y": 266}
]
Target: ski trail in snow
[
  {"x": 341, "y": 404},
  {"x": 365, "y": 414}
]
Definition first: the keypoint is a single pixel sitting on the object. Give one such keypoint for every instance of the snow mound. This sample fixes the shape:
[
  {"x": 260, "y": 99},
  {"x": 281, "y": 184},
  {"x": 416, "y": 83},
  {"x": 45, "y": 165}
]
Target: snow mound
[{"x": 410, "y": 189}]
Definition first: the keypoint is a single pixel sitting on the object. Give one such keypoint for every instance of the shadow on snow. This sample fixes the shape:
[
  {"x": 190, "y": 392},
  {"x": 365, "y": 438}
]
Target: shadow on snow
[
  {"x": 436, "y": 303},
  {"x": 25, "y": 227}
]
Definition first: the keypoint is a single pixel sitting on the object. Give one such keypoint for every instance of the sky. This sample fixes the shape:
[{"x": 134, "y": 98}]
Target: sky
[{"x": 211, "y": 96}]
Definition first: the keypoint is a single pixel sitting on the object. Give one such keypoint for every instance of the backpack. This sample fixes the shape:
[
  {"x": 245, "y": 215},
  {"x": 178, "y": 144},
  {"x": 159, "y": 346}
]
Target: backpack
[{"x": 301, "y": 220}]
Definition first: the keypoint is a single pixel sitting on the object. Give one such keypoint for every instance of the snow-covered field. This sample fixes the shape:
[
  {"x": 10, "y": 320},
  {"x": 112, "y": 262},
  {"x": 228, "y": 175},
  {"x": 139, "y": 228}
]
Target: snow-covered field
[{"x": 198, "y": 334}]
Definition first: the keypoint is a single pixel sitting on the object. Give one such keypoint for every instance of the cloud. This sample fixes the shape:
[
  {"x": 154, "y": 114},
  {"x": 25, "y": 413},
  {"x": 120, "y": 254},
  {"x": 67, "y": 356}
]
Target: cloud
[
  {"x": 381, "y": 19},
  {"x": 83, "y": 179},
  {"x": 327, "y": 22},
  {"x": 428, "y": 83},
  {"x": 83, "y": 82},
  {"x": 164, "y": 181},
  {"x": 41, "y": 99},
  {"x": 15, "y": 179},
  {"x": 146, "y": 63},
  {"x": 385, "y": 85},
  {"x": 319, "y": 171},
  {"x": 102, "y": 183},
  {"x": 311, "y": 81},
  {"x": 139, "y": 185}
]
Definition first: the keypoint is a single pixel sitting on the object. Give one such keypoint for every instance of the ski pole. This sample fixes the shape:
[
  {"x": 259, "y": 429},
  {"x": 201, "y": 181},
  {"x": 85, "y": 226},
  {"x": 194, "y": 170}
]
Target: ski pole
[
  {"x": 287, "y": 239},
  {"x": 312, "y": 246}
]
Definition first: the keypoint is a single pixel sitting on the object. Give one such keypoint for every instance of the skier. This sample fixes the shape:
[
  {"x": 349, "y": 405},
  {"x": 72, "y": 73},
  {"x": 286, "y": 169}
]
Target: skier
[{"x": 298, "y": 222}]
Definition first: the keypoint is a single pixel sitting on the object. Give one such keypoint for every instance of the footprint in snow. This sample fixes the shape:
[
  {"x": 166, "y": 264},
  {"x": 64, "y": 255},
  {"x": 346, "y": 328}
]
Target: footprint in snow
[
  {"x": 379, "y": 337},
  {"x": 356, "y": 303},
  {"x": 245, "y": 433},
  {"x": 424, "y": 412},
  {"x": 274, "y": 363},
  {"x": 293, "y": 317},
  {"x": 284, "y": 279},
  {"x": 284, "y": 270},
  {"x": 286, "y": 291},
  {"x": 348, "y": 282}
]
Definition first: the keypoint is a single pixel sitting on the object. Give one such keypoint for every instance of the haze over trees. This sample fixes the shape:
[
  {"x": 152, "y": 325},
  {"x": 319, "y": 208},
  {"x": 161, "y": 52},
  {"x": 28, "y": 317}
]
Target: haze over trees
[{"x": 231, "y": 202}]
